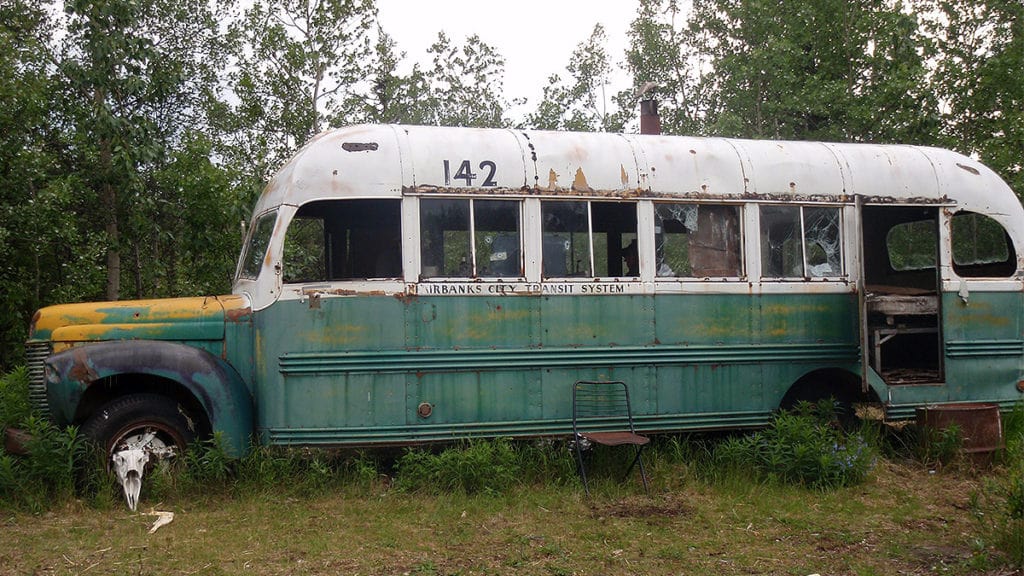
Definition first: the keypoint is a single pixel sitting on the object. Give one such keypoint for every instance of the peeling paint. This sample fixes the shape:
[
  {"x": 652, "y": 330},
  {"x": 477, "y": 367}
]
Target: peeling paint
[{"x": 579, "y": 183}]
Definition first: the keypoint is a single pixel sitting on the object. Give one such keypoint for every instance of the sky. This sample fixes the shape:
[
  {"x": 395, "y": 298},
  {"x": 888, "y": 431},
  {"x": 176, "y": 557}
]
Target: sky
[{"x": 536, "y": 37}]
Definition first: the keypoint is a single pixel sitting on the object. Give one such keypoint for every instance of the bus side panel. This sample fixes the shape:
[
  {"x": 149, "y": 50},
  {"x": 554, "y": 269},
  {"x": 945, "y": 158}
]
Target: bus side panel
[
  {"x": 984, "y": 336},
  {"x": 612, "y": 320},
  {"x": 448, "y": 322},
  {"x": 754, "y": 347},
  {"x": 320, "y": 366}
]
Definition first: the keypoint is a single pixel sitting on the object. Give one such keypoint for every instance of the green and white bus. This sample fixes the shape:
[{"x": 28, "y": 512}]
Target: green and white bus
[{"x": 407, "y": 284}]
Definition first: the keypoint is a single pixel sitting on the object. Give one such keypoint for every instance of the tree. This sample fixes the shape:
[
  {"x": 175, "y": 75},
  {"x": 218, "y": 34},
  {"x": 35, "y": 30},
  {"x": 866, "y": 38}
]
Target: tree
[
  {"x": 580, "y": 103},
  {"x": 134, "y": 77},
  {"x": 297, "y": 64},
  {"x": 391, "y": 97},
  {"x": 30, "y": 153},
  {"x": 466, "y": 83},
  {"x": 663, "y": 57},
  {"x": 978, "y": 77},
  {"x": 830, "y": 70}
]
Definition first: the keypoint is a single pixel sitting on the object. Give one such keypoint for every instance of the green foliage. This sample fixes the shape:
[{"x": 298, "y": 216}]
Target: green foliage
[
  {"x": 14, "y": 405},
  {"x": 802, "y": 447},
  {"x": 980, "y": 47},
  {"x": 483, "y": 466},
  {"x": 61, "y": 465},
  {"x": 580, "y": 103},
  {"x": 998, "y": 509},
  {"x": 998, "y": 505},
  {"x": 939, "y": 446}
]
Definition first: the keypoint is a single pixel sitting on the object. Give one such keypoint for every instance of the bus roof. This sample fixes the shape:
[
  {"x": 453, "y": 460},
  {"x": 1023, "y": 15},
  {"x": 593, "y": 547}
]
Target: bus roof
[{"x": 390, "y": 161}]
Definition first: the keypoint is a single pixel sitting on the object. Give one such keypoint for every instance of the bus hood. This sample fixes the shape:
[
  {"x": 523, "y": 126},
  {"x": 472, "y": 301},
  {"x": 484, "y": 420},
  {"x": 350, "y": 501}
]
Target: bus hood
[{"x": 199, "y": 318}]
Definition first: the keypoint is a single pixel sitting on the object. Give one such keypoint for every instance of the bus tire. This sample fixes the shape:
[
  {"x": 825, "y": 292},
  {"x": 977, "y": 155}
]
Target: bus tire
[{"x": 160, "y": 423}]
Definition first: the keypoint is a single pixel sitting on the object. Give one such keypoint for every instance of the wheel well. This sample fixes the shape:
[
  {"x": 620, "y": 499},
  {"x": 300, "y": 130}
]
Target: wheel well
[
  {"x": 105, "y": 390},
  {"x": 841, "y": 385}
]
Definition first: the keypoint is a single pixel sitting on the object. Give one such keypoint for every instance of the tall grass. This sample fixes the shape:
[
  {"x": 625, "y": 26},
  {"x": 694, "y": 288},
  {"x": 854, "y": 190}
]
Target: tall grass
[
  {"x": 998, "y": 506},
  {"x": 805, "y": 446},
  {"x": 483, "y": 466},
  {"x": 62, "y": 464}
]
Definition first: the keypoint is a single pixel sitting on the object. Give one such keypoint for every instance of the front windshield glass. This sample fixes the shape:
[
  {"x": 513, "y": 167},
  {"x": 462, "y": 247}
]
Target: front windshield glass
[{"x": 252, "y": 256}]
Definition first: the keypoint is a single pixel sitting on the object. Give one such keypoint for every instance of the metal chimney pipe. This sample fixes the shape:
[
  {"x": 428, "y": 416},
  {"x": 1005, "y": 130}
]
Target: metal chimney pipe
[{"x": 650, "y": 122}]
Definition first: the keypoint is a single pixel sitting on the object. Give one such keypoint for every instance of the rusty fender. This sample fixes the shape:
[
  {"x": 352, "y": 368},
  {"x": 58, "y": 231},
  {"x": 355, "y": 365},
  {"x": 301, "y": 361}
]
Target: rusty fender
[{"x": 215, "y": 385}]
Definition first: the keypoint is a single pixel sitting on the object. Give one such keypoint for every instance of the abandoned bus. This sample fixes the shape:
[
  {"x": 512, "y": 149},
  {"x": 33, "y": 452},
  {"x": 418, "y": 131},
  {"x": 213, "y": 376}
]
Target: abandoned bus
[{"x": 404, "y": 284}]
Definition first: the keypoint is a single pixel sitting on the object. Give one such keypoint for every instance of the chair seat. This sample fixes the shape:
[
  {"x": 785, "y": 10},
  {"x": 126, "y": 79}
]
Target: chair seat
[{"x": 615, "y": 438}]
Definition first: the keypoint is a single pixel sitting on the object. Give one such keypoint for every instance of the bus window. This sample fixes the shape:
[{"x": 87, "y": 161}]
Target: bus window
[
  {"x": 588, "y": 239},
  {"x": 252, "y": 260},
  {"x": 344, "y": 240},
  {"x": 981, "y": 247},
  {"x": 822, "y": 241},
  {"x": 305, "y": 251},
  {"x": 697, "y": 241},
  {"x": 800, "y": 242},
  {"x": 456, "y": 245},
  {"x": 912, "y": 246}
]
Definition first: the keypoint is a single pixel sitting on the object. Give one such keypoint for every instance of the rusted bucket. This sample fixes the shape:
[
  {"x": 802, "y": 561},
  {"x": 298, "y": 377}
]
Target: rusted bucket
[
  {"x": 981, "y": 427},
  {"x": 16, "y": 441}
]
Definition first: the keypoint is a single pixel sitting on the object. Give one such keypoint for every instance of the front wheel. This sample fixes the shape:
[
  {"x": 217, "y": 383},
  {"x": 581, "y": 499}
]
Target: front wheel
[{"x": 155, "y": 424}]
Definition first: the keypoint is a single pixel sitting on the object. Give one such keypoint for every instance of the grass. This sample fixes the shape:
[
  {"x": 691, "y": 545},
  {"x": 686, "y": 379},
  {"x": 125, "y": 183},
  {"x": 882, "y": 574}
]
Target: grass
[
  {"x": 502, "y": 507},
  {"x": 903, "y": 520}
]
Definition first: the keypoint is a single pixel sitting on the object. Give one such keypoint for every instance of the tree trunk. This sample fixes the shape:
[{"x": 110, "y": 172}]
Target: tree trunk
[{"x": 113, "y": 252}]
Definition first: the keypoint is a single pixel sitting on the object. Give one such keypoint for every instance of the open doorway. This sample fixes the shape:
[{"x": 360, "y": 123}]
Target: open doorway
[{"x": 902, "y": 303}]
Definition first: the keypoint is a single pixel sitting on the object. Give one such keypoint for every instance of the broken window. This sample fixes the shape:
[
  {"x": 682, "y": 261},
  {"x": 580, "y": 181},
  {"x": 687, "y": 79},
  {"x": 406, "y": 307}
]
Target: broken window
[
  {"x": 469, "y": 238},
  {"x": 981, "y": 247},
  {"x": 589, "y": 239},
  {"x": 697, "y": 241},
  {"x": 344, "y": 240},
  {"x": 801, "y": 242}
]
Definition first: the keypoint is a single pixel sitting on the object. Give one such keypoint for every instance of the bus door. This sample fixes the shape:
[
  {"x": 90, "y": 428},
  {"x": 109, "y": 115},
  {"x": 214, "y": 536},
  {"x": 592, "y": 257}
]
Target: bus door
[{"x": 901, "y": 312}]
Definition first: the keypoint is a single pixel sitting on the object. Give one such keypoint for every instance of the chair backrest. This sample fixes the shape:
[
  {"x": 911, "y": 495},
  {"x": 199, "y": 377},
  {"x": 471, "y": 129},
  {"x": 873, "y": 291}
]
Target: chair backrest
[{"x": 601, "y": 406}]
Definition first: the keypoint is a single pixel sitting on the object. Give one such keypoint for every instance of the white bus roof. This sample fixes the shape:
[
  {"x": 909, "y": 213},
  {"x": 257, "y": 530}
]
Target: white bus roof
[{"x": 380, "y": 161}]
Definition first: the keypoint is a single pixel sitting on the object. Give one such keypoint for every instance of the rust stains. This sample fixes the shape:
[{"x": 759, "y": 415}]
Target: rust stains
[
  {"x": 81, "y": 370},
  {"x": 237, "y": 315}
]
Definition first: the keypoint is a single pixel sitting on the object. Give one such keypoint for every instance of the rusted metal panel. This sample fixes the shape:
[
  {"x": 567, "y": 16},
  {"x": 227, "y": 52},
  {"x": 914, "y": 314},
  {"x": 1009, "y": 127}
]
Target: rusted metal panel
[{"x": 214, "y": 383}]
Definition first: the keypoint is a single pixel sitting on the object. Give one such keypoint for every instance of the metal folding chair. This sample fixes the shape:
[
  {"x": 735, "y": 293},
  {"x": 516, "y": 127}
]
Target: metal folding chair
[{"x": 601, "y": 414}]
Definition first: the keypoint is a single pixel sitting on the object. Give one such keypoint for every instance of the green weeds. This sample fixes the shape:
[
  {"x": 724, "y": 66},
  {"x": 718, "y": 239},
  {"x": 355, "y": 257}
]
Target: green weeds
[
  {"x": 803, "y": 447},
  {"x": 998, "y": 506},
  {"x": 482, "y": 467}
]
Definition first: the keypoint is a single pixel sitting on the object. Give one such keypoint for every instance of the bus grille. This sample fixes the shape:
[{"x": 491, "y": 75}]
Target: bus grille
[{"x": 35, "y": 354}]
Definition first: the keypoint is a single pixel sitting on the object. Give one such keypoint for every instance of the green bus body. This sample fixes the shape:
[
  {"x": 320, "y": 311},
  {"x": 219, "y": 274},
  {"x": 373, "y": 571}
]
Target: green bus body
[{"x": 324, "y": 354}]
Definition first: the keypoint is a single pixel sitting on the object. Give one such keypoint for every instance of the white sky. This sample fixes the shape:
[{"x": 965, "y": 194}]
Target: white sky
[{"x": 536, "y": 37}]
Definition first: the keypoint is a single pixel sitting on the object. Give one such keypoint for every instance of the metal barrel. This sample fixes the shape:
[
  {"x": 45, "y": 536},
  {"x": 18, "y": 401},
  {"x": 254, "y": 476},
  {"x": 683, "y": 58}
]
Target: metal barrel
[{"x": 980, "y": 424}]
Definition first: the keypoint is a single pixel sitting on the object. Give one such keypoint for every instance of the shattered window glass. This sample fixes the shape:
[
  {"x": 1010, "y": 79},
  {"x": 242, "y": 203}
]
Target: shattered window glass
[
  {"x": 822, "y": 241},
  {"x": 697, "y": 241},
  {"x": 800, "y": 242}
]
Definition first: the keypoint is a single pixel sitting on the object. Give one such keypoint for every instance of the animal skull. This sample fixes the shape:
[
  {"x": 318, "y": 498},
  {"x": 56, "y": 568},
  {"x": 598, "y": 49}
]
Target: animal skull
[{"x": 129, "y": 465}]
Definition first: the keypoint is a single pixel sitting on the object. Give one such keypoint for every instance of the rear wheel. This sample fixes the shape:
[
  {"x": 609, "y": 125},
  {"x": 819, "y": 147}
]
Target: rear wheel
[{"x": 156, "y": 424}]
